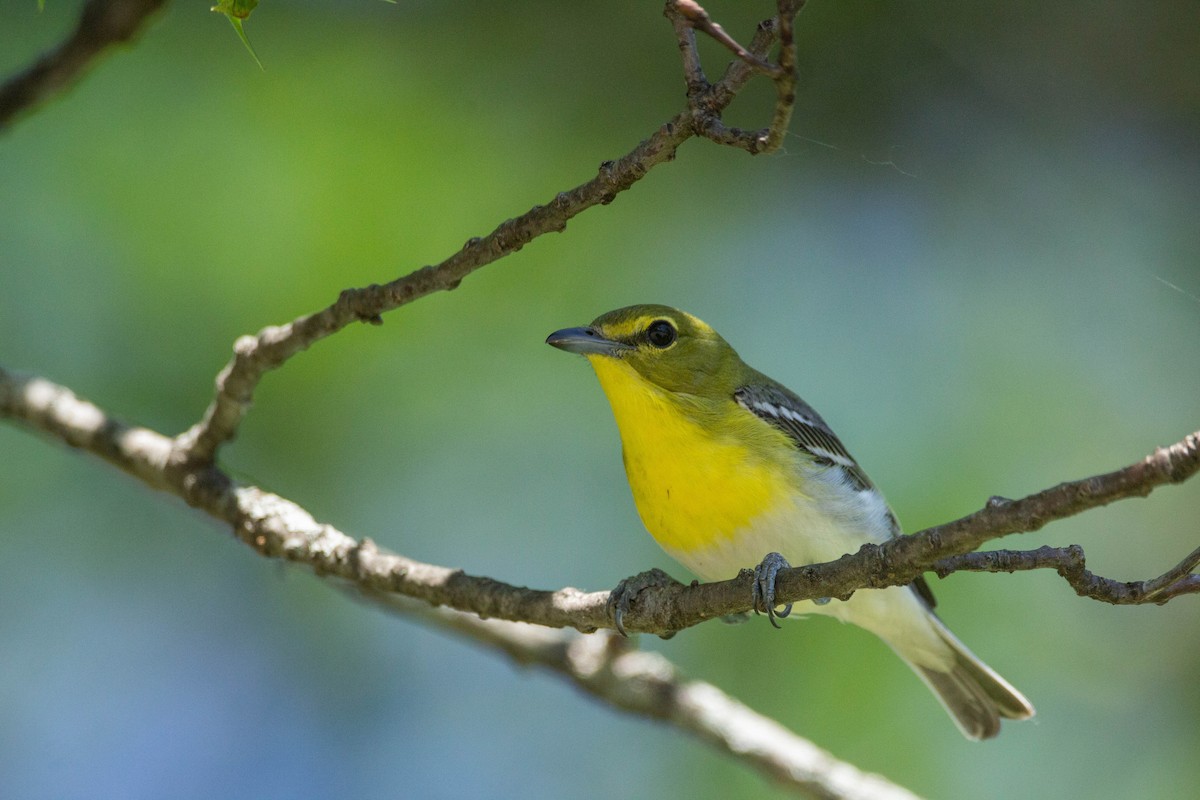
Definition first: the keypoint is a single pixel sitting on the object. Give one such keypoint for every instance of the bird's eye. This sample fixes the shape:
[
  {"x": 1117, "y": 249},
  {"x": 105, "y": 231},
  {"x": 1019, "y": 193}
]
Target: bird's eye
[{"x": 661, "y": 334}]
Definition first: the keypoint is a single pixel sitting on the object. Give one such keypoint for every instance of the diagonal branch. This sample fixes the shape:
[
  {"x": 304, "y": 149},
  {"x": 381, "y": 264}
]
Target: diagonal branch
[
  {"x": 102, "y": 24},
  {"x": 254, "y": 356}
]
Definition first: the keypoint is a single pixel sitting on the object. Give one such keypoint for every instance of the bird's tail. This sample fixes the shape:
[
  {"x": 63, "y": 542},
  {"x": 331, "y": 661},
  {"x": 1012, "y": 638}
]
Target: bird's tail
[{"x": 975, "y": 696}]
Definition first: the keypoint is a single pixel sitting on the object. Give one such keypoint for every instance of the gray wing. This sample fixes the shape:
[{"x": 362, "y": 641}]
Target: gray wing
[
  {"x": 803, "y": 424},
  {"x": 787, "y": 412}
]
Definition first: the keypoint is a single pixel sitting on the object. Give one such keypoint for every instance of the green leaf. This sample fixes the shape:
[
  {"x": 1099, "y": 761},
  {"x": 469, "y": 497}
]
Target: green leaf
[
  {"x": 236, "y": 11},
  {"x": 241, "y": 9}
]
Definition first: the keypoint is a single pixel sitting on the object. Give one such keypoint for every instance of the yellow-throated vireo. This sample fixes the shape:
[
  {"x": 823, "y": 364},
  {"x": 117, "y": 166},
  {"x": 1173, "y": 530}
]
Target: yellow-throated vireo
[{"x": 727, "y": 465}]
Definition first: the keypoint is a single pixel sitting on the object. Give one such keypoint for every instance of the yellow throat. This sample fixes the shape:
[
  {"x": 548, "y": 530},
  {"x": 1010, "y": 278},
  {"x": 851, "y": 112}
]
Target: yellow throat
[{"x": 694, "y": 488}]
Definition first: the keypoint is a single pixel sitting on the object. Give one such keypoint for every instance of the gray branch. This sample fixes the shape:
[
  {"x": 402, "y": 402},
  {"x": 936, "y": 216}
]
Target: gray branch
[
  {"x": 254, "y": 356},
  {"x": 102, "y": 24},
  {"x": 1069, "y": 562},
  {"x": 488, "y": 611},
  {"x": 278, "y": 528}
]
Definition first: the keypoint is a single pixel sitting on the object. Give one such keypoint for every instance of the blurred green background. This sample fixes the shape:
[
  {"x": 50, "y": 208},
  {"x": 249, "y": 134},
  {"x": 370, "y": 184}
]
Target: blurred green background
[{"x": 977, "y": 256}]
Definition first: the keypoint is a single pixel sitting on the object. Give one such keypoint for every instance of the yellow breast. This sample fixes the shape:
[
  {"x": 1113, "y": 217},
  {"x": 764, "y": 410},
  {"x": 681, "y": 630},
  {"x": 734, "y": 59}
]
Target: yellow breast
[{"x": 695, "y": 486}]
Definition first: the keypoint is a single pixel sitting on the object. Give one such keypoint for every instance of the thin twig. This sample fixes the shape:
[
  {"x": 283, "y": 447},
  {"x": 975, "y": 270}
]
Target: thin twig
[
  {"x": 707, "y": 105},
  {"x": 1180, "y": 579},
  {"x": 1071, "y": 564},
  {"x": 102, "y": 24},
  {"x": 715, "y": 130},
  {"x": 785, "y": 77},
  {"x": 698, "y": 18},
  {"x": 693, "y": 69},
  {"x": 738, "y": 73}
]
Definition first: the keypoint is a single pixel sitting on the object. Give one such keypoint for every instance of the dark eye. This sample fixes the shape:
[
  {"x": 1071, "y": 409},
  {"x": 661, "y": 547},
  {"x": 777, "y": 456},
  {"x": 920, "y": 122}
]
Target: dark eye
[{"x": 661, "y": 333}]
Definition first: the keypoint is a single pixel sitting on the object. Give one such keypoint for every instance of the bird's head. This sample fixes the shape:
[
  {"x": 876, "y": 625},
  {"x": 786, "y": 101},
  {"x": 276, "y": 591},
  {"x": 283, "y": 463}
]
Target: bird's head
[{"x": 666, "y": 347}]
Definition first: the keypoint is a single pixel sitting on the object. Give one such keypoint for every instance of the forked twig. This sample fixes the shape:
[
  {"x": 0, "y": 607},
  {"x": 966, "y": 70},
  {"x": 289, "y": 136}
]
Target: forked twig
[{"x": 1071, "y": 564}]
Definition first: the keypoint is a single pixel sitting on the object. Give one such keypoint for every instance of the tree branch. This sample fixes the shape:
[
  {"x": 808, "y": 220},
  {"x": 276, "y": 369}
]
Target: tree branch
[
  {"x": 102, "y": 24},
  {"x": 639, "y": 683},
  {"x": 647, "y": 684},
  {"x": 785, "y": 78},
  {"x": 1070, "y": 563},
  {"x": 693, "y": 15},
  {"x": 605, "y": 666},
  {"x": 278, "y": 528},
  {"x": 254, "y": 356},
  {"x": 707, "y": 101}
]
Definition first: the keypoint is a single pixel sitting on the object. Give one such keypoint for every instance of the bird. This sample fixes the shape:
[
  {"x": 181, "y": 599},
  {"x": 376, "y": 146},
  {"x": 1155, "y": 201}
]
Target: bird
[{"x": 730, "y": 468}]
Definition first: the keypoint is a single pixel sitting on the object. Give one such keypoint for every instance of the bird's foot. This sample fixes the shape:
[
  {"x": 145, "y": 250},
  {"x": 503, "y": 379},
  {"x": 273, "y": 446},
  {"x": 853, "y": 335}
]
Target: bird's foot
[
  {"x": 622, "y": 598},
  {"x": 764, "y": 587}
]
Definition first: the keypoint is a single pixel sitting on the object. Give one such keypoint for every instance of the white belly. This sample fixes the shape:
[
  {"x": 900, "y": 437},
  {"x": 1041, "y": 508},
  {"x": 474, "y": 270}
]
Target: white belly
[{"x": 803, "y": 535}]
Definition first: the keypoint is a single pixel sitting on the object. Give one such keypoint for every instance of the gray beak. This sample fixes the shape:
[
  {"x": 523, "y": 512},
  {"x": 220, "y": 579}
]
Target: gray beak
[{"x": 585, "y": 341}]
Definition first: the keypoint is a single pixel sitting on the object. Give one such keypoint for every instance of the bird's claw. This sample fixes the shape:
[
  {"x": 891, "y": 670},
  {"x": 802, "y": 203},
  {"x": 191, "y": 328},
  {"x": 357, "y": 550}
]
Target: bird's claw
[
  {"x": 764, "y": 587},
  {"x": 623, "y": 596}
]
